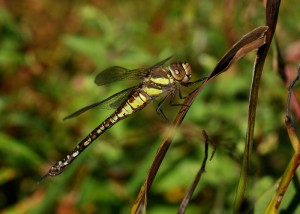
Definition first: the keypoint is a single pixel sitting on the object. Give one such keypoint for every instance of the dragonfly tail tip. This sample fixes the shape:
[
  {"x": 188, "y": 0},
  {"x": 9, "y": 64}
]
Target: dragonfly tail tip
[{"x": 42, "y": 179}]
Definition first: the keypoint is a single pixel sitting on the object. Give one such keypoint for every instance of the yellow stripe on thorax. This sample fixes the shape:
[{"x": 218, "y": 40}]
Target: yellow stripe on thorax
[{"x": 161, "y": 80}]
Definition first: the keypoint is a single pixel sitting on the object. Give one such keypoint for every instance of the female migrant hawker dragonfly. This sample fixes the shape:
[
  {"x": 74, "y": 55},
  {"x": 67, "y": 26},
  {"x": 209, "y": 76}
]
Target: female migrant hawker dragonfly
[{"x": 157, "y": 81}]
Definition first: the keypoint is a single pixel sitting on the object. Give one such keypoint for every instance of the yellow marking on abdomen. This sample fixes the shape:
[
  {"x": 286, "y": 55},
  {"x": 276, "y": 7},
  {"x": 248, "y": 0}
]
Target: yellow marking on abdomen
[
  {"x": 100, "y": 129},
  {"x": 107, "y": 122},
  {"x": 128, "y": 108},
  {"x": 124, "y": 110},
  {"x": 153, "y": 91},
  {"x": 142, "y": 97},
  {"x": 114, "y": 117},
  {"x": 136, "y": 102},
  {"x": 121, "y": 113}
]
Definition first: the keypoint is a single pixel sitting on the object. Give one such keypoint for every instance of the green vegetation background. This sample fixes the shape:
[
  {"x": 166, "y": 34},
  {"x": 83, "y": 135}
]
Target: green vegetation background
[{"x": 50, "y": 52}]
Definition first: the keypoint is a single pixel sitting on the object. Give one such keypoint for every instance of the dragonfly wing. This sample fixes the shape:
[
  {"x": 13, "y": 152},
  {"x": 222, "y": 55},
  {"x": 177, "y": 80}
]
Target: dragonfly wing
[
  {"x": 117, "y": 73},
  {"x": 113, "y": 101},
  {"x": 159, "y": 64}
]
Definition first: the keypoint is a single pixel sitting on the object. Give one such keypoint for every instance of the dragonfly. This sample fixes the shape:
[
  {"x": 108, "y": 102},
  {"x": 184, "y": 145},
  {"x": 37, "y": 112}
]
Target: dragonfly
[{"x": 155, "y": 81}]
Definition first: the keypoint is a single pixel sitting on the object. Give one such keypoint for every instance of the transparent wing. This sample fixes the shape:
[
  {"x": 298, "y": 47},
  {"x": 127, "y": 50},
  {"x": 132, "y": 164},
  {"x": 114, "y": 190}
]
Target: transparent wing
[
  {"x": 117, "y": 73},
  {"x": 113, "y": 101},
  {"x": 159, "y": 64}
]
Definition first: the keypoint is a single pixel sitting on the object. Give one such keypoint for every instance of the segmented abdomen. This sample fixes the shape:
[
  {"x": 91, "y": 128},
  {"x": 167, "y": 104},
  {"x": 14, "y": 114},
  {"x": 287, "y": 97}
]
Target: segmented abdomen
[{"x": 149, "y": 90}]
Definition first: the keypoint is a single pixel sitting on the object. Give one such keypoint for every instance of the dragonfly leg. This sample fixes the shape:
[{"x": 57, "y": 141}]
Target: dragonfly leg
[
  {"x": 187, "y": 85},
  {"x": 160, "y": 105},
  {"x": 180, "y": 95},
  {"x": 171, "y": 103},
  {"x": 192, "y": 83}
]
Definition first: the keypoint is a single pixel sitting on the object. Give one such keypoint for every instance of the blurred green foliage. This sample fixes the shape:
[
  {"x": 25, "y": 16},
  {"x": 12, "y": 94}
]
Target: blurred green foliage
[{"x": 50, "y": 53}]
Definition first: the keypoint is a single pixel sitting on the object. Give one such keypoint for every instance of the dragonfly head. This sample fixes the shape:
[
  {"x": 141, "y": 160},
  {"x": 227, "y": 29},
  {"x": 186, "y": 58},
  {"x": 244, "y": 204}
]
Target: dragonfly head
[{"x": 181, "y": 71}]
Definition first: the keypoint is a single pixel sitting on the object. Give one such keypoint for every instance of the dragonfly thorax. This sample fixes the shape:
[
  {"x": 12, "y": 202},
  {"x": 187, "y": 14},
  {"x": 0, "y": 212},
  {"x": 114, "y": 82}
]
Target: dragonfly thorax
[{"x": 181, "y": 71}]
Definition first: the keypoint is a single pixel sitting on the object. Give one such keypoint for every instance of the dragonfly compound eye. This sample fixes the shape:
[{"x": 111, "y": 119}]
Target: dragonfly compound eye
[{"x": 181, "y": 71}]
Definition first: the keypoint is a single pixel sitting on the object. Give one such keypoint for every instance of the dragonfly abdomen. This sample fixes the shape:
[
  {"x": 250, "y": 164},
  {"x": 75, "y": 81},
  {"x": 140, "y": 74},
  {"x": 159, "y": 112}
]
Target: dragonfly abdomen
[{"x": 137, "y": 101}]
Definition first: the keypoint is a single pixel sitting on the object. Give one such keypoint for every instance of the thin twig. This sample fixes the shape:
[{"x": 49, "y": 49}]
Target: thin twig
[{"x": 192, "y": 188}]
